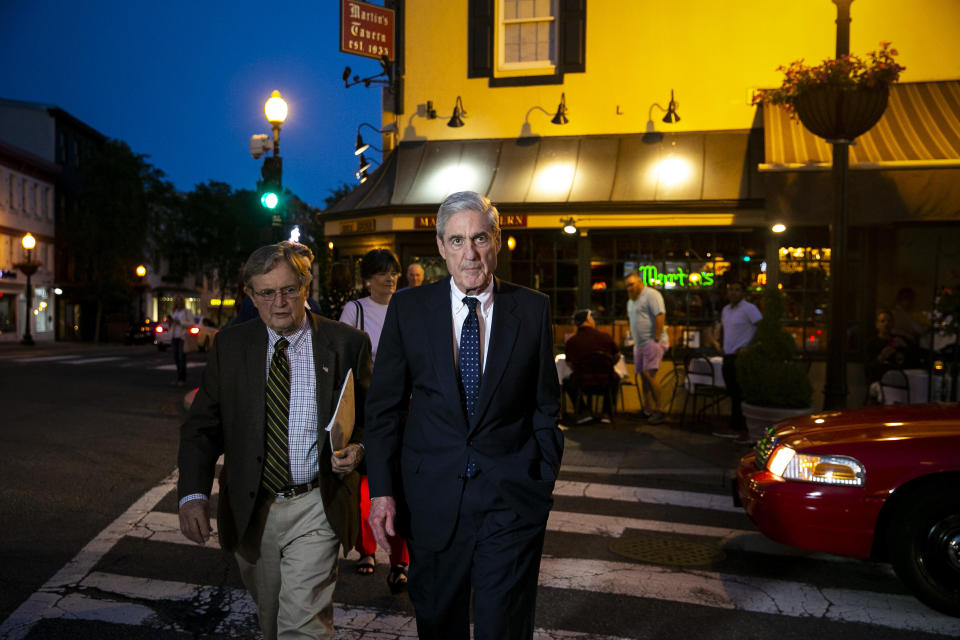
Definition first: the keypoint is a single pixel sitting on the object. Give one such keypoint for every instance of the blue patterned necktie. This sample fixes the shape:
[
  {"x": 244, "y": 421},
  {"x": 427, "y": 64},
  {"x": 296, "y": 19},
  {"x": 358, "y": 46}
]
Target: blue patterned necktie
[
  {"x": 470, "y": 356},
  {"x": 276, "y": 466},
  {"x": 470, "y": 369}
]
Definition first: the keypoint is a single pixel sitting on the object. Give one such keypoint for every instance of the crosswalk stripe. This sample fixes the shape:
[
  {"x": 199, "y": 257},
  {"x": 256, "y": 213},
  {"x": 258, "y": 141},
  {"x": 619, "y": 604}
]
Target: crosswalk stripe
[
  {"x": 45, "y": 358},
  {"x": 622, "y": 493},
  {"x": 173, "y": 367},
  {"x": 759, "y": 595},
  {"x": 94, "y": 360},
  {"x": 720, "y": 474}
]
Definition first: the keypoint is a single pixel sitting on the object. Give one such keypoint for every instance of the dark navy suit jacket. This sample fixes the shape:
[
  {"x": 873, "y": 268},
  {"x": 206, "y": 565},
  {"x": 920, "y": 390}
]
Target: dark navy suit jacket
[{"x": 513, "y": 435}]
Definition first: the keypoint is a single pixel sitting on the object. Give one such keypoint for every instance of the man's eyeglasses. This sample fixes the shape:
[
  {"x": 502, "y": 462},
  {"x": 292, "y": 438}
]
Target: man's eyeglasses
[{"x": 269, "y": 295}]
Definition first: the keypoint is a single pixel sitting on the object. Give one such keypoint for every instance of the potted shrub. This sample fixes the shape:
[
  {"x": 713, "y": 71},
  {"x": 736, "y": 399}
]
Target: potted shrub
[
  {"x": 773, "y": 383},
  {"x": 840, "y": 98}
]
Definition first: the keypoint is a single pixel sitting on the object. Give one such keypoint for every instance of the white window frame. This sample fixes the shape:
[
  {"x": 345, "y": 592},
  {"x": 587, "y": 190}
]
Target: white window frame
[{"x": 548, "y": 65}]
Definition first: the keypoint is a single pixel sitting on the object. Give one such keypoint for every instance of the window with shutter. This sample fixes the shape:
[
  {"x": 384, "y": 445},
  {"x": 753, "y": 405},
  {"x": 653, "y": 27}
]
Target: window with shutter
[{"x": 526, "y": 42}]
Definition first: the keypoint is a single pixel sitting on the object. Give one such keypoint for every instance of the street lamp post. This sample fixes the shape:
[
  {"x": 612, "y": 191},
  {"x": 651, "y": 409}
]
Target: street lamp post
[
  {"x": 28, "y": 267},
  {"x": 276, "y": 112},
  {"x": 141, "y": 287},
  {"x": 835, "y": 389}
]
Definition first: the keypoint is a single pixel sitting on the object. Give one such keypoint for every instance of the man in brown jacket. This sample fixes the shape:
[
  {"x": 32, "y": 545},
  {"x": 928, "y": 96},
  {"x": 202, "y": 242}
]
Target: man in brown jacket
[{"x": 287, "y": 502}]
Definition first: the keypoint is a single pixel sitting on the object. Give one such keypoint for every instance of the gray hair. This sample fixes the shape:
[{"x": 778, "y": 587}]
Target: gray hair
[
  {"x": 467, "y": 201},
  {"x": 264, "y": 259}
]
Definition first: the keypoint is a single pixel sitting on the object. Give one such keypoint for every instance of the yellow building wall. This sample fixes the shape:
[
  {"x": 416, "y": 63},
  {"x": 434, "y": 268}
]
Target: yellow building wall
[{"x": 712, "y": 54}]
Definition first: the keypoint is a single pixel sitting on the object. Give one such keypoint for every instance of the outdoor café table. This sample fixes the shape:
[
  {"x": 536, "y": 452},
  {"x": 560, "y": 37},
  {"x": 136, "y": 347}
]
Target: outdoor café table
[
  {"x": 563, "y": 369},
  {"x": 917, "y": 380},
  {"x": 699, "y": 375}
]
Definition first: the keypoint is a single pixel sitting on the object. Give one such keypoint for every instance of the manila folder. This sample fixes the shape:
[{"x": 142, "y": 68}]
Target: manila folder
[{"x": 344, "y": 416}]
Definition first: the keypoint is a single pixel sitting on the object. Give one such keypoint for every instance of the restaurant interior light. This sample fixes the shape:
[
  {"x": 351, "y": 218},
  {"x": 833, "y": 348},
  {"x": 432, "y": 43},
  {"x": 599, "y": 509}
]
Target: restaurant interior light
[
  {"x": 569, "y": 226},
  {"x": 561, "y": 117},
  {"x": 778, "y": 228}
]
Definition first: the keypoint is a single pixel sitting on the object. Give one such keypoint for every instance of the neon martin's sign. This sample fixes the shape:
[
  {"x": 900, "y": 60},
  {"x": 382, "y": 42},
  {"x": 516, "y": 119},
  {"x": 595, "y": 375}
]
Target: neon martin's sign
[{"x": 650, "y": 275}]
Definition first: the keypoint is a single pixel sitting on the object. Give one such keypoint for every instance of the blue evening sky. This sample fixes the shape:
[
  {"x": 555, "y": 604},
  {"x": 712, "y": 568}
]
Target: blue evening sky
[{"x": 184, "y": 82}]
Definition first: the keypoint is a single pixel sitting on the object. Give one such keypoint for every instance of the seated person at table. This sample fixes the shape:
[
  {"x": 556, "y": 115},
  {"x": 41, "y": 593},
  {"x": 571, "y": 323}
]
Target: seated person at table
[
  {"x": 885, "y": 351},
  {"x": 882, "y": 353},
  {"x": 580, "y": 351}
]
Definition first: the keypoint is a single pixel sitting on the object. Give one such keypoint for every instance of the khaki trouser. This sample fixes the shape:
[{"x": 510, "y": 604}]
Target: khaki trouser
[{"x": 293, "y": 580}]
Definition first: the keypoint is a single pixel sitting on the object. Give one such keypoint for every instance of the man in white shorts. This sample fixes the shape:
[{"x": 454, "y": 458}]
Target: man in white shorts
[{"x": 646, "y": 313}]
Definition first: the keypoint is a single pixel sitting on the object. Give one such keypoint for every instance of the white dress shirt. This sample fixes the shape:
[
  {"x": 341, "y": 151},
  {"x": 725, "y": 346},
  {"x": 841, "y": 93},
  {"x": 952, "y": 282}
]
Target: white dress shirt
[{"x": 460, "y": 310}]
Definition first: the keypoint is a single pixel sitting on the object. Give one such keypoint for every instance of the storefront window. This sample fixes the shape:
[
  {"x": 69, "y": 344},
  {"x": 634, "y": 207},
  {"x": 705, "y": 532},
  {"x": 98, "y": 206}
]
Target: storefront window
[
  {"x": 42, "y": 310},
  {"x": 8, "y": 313},
  {"x": 691, "y": 269},
  {"x": 805, "y": 279}
]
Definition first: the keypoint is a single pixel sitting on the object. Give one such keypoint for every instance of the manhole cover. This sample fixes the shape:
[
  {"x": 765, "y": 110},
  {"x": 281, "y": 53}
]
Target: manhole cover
[{"x": 668, "y": 551}]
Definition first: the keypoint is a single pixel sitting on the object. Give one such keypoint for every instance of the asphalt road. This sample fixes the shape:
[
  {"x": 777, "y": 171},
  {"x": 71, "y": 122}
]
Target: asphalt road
[{"x": 80, "y": 443}]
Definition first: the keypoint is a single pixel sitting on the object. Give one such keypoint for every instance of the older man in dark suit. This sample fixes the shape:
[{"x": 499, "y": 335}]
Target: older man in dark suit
[
  {"x": 287, "y": 502},
  {"x": 465, "y": 399}
]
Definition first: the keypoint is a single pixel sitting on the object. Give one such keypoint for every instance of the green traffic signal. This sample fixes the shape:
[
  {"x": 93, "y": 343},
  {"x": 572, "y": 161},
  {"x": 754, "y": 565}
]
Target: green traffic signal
[
  {"x": 271, "y": 186},
  {"x": 270, "y": 200}
]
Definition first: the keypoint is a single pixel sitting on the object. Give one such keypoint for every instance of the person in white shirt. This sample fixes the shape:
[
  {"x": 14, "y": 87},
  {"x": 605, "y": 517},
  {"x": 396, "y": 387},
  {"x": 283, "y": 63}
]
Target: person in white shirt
[
  {"x": 738, "y": 326},
  {"x": 646, "y": 312},
  {"x": 179, "y": 320}
]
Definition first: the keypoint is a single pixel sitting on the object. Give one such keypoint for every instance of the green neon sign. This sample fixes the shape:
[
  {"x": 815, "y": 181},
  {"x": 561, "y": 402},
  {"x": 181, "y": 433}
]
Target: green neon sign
[{"x": 681, "y": 279}]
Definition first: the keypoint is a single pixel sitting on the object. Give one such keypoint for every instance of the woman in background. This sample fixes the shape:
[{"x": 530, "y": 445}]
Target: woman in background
[{"x": 380, "y": 270}]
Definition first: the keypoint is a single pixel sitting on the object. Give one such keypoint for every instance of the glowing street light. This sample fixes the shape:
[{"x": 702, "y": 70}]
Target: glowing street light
[{"x": 28, "y": 267}]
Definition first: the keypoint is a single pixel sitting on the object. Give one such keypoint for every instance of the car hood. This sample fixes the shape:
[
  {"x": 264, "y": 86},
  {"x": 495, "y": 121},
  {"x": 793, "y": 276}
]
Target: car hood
[{"x": 870, "y": 424}]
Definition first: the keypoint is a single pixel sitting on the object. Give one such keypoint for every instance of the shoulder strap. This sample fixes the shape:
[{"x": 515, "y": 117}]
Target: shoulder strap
[{"x": 359, "y": 324}]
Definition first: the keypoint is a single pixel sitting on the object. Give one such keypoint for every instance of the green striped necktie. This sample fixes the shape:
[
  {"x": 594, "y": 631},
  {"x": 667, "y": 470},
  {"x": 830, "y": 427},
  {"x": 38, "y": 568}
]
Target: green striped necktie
[{"x": 276, "y": 467}]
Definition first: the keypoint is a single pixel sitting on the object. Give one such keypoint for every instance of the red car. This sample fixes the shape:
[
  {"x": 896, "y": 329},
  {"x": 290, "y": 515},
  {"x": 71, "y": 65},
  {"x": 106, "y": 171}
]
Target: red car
[{"x": 877, "y": 482}]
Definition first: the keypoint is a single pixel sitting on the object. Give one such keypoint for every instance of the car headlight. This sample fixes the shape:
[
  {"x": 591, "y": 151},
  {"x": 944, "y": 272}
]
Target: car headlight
[{"x": 790, "y": 465}]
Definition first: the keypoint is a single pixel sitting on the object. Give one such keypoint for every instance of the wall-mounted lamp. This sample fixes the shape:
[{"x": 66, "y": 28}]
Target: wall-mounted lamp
[
  {"x": 511, "y": 243},
  {"x": 364, "y": 164},
  {"x": 569, "y": 226},
  {"x": 671, "y": 115},
  {"x": 361, "y": 173},
  {"x": 361, "y": 145},
  {"x": 458, "y": 110},
  {"x": 561, "y": 117},
  {"x": 778, "y": 228}
]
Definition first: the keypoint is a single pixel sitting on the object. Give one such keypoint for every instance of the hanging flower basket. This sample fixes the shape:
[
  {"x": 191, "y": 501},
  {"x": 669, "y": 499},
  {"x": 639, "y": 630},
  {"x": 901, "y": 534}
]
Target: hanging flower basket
[
  {"x": 838, "y": 114},
  {"x": 840, "y": 98}
]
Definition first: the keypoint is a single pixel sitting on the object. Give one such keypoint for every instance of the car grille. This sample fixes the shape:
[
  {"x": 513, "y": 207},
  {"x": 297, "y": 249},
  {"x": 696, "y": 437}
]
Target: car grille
[{"x": 764, "y": 448}]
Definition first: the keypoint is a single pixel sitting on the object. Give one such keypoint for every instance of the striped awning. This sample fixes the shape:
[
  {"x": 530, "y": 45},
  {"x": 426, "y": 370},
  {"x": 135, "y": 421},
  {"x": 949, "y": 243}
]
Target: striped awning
[{"x": 920, "y": 128}]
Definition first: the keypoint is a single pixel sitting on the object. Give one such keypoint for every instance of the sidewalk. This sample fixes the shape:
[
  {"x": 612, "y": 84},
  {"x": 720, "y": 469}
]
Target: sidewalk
[{"x": 631, "y": 447}]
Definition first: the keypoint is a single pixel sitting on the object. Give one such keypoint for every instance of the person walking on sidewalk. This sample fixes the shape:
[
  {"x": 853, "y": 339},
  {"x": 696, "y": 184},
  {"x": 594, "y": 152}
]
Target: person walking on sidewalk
[
  {"x": 180, "y": 319},
  {"x": 646, "y": 312},
  {"x": 287, "y": 502},
  {"x": 379, "y": 269},
  {"x": 465, "y": 396},
  {"x": 738, "y": 326}
]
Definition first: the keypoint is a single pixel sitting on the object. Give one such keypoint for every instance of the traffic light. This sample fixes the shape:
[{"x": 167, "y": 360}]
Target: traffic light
[{"x": 271, "y": 187}]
